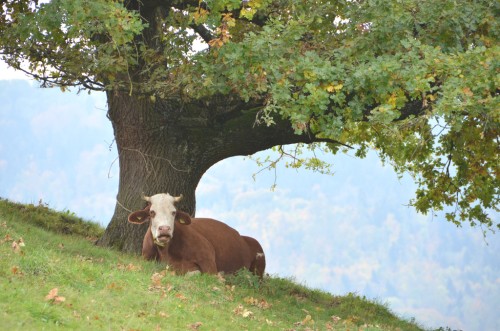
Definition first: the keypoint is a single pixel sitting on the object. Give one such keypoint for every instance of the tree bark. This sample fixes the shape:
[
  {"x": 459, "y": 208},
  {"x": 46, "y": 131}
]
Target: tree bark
[{"x": 166, "y": 146}]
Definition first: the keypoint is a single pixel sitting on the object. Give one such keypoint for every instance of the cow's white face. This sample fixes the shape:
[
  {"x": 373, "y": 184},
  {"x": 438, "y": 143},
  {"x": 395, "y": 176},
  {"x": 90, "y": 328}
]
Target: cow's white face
[{"x": 162, "y": 214}]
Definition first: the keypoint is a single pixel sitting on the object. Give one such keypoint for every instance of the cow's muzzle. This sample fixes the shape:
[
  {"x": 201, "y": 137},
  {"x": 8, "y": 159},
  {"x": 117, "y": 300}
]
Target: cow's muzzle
[{"x": 164, "y": 236}]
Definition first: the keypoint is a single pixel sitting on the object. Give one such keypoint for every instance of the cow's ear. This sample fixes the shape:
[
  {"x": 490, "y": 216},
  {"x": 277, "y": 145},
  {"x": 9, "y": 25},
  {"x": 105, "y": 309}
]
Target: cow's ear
[
  {"x": 140, "y": 216},
  {"x": 183, "y": 217}
]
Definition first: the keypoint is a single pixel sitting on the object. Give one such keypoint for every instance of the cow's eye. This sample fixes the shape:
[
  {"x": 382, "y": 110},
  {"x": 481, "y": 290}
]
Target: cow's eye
[
  {"x": 173, "y": 213},
  {"x": 152, "y": 213}
]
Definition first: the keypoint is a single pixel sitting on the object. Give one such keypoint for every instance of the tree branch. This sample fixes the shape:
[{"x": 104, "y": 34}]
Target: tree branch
[{"x": 203, "y": 32}]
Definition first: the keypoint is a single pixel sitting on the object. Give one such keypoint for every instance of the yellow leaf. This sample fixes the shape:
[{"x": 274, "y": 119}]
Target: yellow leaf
[
  {"x": 392, "y": 100},
  {"x": 334, "y": 87},
  {"x": 308, "y": 74}
]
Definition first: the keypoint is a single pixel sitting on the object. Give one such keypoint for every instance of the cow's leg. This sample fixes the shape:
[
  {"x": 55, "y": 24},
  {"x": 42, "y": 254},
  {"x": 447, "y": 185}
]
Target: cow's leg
[{"x": 208, "y": 266}]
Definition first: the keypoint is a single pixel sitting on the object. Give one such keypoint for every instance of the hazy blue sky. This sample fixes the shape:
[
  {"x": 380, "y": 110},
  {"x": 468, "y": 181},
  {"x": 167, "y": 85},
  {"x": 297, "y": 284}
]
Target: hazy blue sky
[{"x": 350, "y": 232}]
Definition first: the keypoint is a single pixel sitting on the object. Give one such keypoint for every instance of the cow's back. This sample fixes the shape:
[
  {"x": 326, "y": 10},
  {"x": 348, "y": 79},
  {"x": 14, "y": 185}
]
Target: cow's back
[{"x": 231, "y": 251}]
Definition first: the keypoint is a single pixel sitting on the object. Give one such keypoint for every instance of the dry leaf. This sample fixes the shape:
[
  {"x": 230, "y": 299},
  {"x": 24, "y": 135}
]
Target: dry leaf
[
  {"x": 336, "y": 319},
  {"x": 221, "y": 278},
  {"x": 180, "y": 296},
  {"x": 131, "y": 267},
  {"x": 163, "y": 314},
  {"x": 59, "y": 299},
  {"x": 15, "y": 246},
  {"x": 242, "y": 311},
  {"x": 307, "y": 320},
  {"x": 16, "y": 270},
  {"x": 247, "y": 313},
  {"x": 52, "y": 296},
  {"x": 156, "y": 279},
  {"x": 196, "y": 325},
  {"x": 263, "y": 304},
  {"x": 114, "y": 286}
]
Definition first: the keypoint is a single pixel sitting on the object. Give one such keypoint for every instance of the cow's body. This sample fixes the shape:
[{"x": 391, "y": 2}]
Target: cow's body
[{"x": 200, "y": 244}]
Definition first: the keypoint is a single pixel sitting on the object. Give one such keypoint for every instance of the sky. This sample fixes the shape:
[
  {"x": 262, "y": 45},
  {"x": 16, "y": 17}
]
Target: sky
[{"x": 347, "y": 233}]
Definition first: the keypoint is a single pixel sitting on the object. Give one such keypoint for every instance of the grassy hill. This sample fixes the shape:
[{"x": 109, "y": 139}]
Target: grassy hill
[{"x": 52, "y": 276}]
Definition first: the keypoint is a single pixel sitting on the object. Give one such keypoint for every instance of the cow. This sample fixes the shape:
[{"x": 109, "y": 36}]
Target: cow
[{"x": 191, "y": 245}]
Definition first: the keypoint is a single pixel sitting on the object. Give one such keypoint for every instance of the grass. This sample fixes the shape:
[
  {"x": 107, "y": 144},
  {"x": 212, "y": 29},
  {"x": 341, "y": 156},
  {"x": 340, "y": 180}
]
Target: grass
[{"x": 52, "y": 276}]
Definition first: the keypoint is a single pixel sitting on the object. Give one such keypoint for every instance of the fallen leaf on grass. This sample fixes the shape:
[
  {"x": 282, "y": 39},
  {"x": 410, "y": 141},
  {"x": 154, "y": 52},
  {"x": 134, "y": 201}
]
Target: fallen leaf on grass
[
  {"x": 7, "y": 238},
  {"x": 221, "y": 278},
  {"x": 307, "y": 320},
  {"x": 20, "y": 242},
  {"x": 336, "y": 319},
  {"x": 196, "y": 325},
  {"x": 16, "y": 246},
  {"x": 163, "y": 314},
  {"x": 53, "y": 297},
  {"x": 89, "y": 259},
  {"x": 129, "y": 267},
  {"x": 114, "y": 286},
  {"x": 262, "y": 304},
  {"x": 180, "y": 296},
  {"x": 16, "y": 271},
  {"x": 242, "y": 311},
  {"x": 156, "y": 279}
]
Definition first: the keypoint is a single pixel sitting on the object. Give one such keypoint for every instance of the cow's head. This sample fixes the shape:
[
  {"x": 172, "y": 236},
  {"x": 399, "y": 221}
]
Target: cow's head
[{"x": 162, "y": 213}]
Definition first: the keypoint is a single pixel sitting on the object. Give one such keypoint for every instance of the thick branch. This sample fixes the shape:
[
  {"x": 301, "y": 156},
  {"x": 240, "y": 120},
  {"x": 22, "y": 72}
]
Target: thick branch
[{"x": 203, "y": 32}]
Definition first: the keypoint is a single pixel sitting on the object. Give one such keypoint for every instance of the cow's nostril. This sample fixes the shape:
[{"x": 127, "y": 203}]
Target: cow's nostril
[{"x": 164, "y": 228}]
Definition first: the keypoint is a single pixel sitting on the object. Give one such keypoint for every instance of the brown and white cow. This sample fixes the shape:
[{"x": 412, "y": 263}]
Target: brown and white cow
[{"x": 190, "y": 245}]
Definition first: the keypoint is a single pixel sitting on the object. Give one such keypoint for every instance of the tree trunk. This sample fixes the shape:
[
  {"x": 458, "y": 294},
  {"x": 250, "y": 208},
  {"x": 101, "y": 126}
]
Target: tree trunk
[{"x": 166, "y": 146}]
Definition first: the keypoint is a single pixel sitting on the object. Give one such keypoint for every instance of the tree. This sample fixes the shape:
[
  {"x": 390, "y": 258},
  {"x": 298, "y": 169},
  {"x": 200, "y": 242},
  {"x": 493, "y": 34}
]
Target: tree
[{"x": 190, "y": 83}]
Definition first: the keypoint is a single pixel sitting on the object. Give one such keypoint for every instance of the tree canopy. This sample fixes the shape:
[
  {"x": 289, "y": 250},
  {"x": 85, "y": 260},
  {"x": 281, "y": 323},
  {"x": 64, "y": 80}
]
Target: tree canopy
[{"x": 417, "y": 81}]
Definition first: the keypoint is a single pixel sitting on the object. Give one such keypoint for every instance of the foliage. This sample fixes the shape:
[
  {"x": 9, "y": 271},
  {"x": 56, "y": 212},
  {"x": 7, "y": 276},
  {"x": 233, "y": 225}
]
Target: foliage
[
  {"x": 50, "y": 280},
  {"x": 418, "y": 81}
]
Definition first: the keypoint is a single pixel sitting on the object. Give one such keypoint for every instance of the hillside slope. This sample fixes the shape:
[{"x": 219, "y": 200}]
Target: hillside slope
[{"x": 53, "y": 277}]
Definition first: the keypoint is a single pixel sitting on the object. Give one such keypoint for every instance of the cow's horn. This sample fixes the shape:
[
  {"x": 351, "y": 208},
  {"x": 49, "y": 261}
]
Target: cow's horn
[
  {"x": 177, "y": 199},
  {"x": 144, "y": 197}
]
